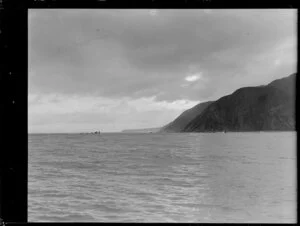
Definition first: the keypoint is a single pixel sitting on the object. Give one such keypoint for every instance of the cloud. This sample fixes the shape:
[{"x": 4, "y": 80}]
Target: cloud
[
  {"x": 134, "y": 59},
  {"x": 105, "y": 52},
  {"x": 193, "y": 78},
  {"x": 106, "y": 113},
  {"x": 63, "y": 104}
]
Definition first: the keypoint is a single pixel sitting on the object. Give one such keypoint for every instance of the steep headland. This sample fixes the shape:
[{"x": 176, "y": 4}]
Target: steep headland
[
  {"x": 182, "y": 120},
  {"x": 262, "y": 108}
]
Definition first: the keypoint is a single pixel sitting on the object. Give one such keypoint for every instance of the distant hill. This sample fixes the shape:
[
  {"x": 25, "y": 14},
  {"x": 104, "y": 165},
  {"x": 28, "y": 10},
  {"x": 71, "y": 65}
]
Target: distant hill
[
  {"x": 261, "y": 108},
  {"x": 148, "y": 130},
  {"x": 182, "y": 120}
]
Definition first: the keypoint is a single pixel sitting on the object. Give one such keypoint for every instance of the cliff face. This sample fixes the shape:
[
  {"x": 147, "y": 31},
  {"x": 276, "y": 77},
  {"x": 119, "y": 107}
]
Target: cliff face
[
  {"x": 262, "y": 108},
  {"x": 182, "y": 120}
]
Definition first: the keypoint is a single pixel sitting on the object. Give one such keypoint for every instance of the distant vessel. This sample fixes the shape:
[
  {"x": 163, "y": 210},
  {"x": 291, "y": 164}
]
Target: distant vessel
[{"x": 96, "y": 132}]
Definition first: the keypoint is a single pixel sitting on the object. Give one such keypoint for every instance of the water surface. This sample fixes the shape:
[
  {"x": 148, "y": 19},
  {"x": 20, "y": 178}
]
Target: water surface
[{"x": 183, "y": 177}]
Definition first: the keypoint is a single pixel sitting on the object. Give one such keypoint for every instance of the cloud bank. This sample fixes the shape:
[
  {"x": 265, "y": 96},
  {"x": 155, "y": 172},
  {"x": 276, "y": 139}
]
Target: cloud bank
[{"x": 163, "y": 59}]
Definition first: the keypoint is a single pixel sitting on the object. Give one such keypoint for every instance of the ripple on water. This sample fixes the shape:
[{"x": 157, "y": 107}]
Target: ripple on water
[{"x": 162, "y": 178}]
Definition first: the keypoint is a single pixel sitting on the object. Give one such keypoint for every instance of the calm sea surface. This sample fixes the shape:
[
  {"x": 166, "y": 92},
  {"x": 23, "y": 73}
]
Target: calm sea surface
[{"x": 188, "y": 177}]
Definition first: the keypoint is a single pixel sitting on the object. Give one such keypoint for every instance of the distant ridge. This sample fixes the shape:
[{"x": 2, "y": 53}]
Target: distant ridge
[
  {"x": 148, "y": 130},
  {"x": 262, "y": 108}
]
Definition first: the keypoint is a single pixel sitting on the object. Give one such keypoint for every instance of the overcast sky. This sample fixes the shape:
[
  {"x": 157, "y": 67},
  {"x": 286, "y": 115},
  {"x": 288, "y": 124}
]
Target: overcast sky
[{"x": 112, "y": 69}]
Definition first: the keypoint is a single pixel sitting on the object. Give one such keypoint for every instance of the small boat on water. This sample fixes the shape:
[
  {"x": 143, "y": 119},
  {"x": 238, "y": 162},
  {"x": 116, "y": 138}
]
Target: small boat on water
[{"x": 96, "y": 132}]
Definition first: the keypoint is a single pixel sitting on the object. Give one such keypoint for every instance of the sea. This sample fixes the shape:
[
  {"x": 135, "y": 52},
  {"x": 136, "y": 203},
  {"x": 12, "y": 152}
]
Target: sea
[{"x": 247, "y": 177}]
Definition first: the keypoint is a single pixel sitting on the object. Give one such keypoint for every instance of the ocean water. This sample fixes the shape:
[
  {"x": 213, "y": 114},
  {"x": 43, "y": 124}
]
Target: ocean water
[{"x": 184, "y": 177}]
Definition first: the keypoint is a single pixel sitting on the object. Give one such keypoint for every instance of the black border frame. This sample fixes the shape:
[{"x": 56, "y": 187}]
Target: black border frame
[{"x": 14, "y": 85}]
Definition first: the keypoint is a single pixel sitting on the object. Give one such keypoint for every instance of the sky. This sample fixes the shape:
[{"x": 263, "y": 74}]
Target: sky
[{"x": 117, "y": 69}]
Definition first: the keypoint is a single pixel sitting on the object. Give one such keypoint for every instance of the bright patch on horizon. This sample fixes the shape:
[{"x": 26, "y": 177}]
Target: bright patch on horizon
[
  {"x": 75, "y": 113},
  {"x": 61, "y": 104}
]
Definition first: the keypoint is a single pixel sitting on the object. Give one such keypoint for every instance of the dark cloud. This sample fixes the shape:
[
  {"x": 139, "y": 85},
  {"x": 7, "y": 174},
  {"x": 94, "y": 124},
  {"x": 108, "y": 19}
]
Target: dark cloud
[{"x": 117, "y": 53}]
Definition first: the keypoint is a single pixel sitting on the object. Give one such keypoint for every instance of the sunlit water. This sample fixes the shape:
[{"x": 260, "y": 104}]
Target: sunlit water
[{"x": 188, "y": 177}]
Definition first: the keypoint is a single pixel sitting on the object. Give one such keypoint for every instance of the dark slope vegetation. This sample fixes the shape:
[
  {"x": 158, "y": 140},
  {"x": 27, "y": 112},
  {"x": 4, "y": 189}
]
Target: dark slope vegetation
[
  {"x": 182, "y": 120},
  {"x": 262, "y": 108}
]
